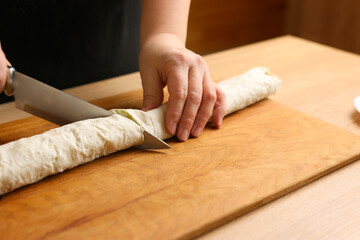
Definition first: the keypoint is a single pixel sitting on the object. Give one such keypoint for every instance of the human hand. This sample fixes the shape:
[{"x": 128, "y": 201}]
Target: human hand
[
  {"x": 194, "y": 97},
  {"x": 3, "y": 69}
]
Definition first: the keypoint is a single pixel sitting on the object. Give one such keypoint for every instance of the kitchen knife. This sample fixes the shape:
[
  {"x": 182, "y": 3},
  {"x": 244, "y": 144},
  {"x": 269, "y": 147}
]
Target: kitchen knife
[{"x": 57, "y": 106}]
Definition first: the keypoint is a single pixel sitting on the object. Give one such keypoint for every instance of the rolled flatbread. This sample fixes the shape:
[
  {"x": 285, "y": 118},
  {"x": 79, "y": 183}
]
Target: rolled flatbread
[
  {"x": 240, "y": 91},
  {"x": 29, "y": 160}
]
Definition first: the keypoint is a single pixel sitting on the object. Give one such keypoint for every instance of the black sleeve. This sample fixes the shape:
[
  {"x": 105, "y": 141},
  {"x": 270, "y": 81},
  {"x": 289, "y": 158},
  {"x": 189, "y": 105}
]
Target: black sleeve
[{"x": 66, "y": 43}]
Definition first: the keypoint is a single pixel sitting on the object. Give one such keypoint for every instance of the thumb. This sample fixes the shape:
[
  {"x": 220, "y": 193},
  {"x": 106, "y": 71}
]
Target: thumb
[{"x": 152, "y": 92}]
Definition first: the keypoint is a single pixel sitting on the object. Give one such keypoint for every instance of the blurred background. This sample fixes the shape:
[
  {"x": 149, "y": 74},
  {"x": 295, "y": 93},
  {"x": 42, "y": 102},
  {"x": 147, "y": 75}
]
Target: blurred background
[{"x": 216, "y": 25}]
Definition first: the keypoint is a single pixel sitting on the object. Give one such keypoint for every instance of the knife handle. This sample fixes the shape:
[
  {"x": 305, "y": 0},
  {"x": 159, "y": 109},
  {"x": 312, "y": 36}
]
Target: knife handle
[{"x": 9, "y": 84}]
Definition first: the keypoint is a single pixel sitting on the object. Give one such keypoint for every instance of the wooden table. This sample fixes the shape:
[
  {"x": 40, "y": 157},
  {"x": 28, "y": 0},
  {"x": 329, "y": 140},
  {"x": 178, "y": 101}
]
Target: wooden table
[{"x": 318, "y": 80}]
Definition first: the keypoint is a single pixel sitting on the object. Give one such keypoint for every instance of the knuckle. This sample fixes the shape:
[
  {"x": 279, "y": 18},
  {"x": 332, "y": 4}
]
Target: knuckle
[
  {"x": 221, "y": 91},
  {"x": 188, "y": 119},
  {"x": 221, "y": 98},
  {"x": 173, "y": 72},
  {"x": 202, "y": 119},
  {"x": 177, "y": 58},
  {"x": 180, "y": 56},
  {"x": 169, "y": 67},
  {"x": 175, "y": 76},
  {"x": 199, "y": 60},
  {"x": 180, "y": 94},
  {"x": 210, "y": 96},
  {"x": 195, "y": 97},
  {"x": 174, "y": 115}
]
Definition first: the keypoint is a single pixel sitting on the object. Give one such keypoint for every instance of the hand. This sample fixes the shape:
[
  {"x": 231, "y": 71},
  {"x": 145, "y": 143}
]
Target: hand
[
  {"x": 194, "y": 97},
  {"x": 3, "y": 69}
]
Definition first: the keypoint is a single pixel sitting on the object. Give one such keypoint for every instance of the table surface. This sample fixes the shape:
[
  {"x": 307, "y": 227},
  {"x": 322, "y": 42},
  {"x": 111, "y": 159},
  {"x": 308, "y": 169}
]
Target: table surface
[{"x": 317, "y": 80}]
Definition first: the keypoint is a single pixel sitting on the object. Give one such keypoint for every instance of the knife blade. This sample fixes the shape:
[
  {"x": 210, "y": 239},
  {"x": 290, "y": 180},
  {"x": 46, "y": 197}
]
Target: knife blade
[{"x": 57, "y": 106}]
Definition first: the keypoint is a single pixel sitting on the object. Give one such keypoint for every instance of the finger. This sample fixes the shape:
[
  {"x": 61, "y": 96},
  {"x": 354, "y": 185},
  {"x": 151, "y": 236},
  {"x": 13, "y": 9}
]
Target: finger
[
  {"x": 3, "y": 71},
  {"x": 152, "y": 91},
  {"x": 192, "y": 104},
  {"x": 220, "y": 106},
  {"x": 2, "y": 79},
  {"x": 206, "y": 108},
  {"x": 177, "y": 81}
]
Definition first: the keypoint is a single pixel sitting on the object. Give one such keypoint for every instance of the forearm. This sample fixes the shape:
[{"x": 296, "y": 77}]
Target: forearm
[{"x": 164, "y": 17}]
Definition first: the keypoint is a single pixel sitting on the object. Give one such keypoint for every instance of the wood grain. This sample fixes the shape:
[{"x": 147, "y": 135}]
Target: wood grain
[
  {"x": 331, "y": 22},
  {"x": 181, "y": 193},
  {"x": 318, "y": 80},
  {"x": 328, "y": 208},
  {"x": 321, "y": 81},
  {"x": 217, "y": 25}
]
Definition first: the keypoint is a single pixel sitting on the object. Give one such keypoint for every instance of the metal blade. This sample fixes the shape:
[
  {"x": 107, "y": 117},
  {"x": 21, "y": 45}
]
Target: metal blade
[
  {"x": 153, "y": 142},
  {"x": 61, "y": 108},
  {"x": 50, "y": 103}
]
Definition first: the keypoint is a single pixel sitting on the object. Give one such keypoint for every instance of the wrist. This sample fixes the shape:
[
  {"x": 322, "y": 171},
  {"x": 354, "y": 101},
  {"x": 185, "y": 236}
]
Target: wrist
[{"x": 162, "y": 39}]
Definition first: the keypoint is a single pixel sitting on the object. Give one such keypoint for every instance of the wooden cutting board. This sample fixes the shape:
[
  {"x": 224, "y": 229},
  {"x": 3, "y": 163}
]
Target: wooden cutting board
[{"x": 259, "y": 154}]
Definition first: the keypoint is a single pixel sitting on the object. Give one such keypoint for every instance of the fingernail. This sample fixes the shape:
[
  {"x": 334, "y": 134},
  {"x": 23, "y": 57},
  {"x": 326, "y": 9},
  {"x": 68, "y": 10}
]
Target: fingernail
[
  {"x": 197, "y": 132},
  {"x": 145, "y": 108},
  {"x": 184, "y": 135},
  {"x": 220, "y": 122},
  {"x": 173, "y": 128}
]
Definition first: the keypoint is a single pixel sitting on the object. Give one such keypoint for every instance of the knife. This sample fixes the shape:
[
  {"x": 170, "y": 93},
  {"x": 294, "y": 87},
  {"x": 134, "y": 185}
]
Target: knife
[{"x": 57, "y": 106}]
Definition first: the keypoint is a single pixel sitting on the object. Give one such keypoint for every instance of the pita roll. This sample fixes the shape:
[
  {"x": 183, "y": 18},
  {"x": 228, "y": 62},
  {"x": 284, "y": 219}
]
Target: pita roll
[{"x": 29, "y": 160}]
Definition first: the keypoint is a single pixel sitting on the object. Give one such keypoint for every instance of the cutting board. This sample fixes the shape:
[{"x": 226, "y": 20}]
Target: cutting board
[{"x": 259, "y": 154}]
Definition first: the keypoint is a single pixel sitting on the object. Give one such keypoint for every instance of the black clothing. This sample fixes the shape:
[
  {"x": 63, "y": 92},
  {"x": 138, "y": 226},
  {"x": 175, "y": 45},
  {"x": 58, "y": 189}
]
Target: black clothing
[{"x": 66, "y": 43}]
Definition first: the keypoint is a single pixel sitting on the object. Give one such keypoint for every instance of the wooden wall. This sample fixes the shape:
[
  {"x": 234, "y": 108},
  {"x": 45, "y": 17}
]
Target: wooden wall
[
  {"x": 221, "y": 24},
  {"x": 216, "y": 25},
  {"x": 332, "y": 22}
]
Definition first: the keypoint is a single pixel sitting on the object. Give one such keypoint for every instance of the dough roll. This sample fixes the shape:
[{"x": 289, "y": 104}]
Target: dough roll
[
  {"x": 31, "y": 159},
  {"x": 241, "y": 91}
]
